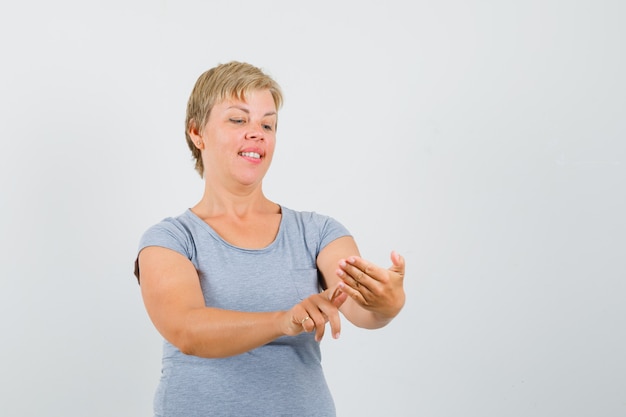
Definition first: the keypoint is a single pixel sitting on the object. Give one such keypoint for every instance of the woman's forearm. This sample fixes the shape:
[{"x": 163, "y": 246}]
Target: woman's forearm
[{"x": 216, "y": 333}]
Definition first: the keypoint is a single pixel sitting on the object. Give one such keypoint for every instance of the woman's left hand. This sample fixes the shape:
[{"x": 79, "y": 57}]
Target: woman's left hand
[{"x": 374, "y": 288}]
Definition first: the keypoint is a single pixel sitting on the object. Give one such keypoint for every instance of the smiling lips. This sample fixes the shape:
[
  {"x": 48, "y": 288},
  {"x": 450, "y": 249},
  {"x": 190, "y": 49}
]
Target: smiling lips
[{"x": 250, "y": 155}]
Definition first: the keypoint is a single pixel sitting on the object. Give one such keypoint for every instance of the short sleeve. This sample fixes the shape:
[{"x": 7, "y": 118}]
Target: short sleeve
[
  {"x": 330, "y": 230},
  {"x": 169, "y": 234}
]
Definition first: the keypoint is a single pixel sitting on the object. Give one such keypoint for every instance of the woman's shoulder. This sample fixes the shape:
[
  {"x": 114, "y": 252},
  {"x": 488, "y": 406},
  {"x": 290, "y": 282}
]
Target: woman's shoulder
[
  {"x": 179, "y": 227},
  {"x": 309, "y": 219},
  {"x": 173, "y": 233},
  {"x": 180, "y": 221},
  {"x": 316, "y": 228},
  {"x": 303, "y": 216}
]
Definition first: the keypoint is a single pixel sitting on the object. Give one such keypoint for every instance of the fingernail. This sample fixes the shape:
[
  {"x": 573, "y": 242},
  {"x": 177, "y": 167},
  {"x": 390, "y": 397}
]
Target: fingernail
[
  {"x": 336, "y": 335},
  {"x": 340, "y": 272}
]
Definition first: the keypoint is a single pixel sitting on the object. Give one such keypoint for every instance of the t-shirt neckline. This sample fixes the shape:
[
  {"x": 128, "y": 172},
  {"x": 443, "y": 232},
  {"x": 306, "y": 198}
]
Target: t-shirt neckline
[{"x": 194, "y": 217}]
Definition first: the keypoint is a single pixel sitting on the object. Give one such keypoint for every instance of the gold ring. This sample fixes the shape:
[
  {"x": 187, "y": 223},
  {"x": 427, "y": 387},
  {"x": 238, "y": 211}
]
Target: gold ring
[{"x": 303, "y": 320}]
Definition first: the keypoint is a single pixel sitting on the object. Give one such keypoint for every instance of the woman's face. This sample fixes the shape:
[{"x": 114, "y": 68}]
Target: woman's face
[{"x": 239, "y": 139}]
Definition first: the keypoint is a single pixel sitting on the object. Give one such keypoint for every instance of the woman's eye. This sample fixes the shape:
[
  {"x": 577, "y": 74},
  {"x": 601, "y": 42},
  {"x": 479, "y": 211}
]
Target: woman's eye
[
  {"x": 237, "y": 121},
  {"x": 268, "y": 127}
]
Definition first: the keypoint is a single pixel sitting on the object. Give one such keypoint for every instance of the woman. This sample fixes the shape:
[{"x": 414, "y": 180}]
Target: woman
[{"x": 240, "y": 287}]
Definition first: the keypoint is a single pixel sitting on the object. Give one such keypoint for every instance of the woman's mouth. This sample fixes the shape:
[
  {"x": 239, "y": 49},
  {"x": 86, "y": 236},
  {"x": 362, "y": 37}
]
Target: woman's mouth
[{"x": 250, "y": 155}]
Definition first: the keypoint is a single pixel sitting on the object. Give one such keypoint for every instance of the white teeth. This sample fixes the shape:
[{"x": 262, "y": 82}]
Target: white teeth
[{"x": 250, "y": 154}]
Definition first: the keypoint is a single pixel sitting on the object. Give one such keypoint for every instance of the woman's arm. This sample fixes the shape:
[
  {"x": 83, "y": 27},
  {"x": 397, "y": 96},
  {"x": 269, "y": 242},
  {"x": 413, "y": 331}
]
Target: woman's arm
[
  {"x": 172, "y": 295},
  {"x": 376, "y": 295}
]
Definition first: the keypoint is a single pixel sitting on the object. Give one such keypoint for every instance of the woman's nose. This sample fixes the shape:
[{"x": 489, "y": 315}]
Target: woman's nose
[{"x": 255, "y": 132}]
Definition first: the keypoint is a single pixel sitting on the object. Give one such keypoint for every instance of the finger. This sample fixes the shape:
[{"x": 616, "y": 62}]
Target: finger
[
  {"x": 324, "y": 311},
  {"x": 367, "y": 268},
  {"x": 355, "y": 277},
  {"x": 340, "y": 299},
  {"x": 307, "y": 324},
  {"x": 336, "y": 296},
  {"x": 299, "y": 317},
  {"x": 332, "y": 293},
  {"x": 319, "y": 325},
  {"x": 335, "y": 323},
  {"x": 398, "y": 263},
  {"x": 355, "y": 294},
  {"x": 317, "y": 319},
  {"x": 331, "y": 314}
]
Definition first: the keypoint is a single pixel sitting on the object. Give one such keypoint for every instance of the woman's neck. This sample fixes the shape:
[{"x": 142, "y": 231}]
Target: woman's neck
[{"x": 242, "y": 203}]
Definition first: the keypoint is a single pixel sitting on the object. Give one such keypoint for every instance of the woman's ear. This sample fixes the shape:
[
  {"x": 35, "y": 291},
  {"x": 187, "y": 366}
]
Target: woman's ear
[{"x": 195, "y": 134}]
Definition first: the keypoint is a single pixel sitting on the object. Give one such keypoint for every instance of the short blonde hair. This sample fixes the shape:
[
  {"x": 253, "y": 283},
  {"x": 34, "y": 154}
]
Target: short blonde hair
[{"x": 225, "y": 81}]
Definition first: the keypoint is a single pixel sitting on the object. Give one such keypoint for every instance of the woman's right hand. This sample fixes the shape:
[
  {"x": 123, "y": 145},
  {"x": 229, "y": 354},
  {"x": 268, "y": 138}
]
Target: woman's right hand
[{"x": 314, "y": 312}]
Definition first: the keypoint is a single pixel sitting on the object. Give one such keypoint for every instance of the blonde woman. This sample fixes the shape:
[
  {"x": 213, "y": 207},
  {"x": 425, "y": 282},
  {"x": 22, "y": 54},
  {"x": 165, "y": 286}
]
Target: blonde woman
[{"x": 242, "y": 288}]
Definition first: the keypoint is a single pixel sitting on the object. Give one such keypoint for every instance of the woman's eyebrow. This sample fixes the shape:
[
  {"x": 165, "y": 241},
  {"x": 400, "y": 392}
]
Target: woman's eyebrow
[{"x": 245, "y": 110}]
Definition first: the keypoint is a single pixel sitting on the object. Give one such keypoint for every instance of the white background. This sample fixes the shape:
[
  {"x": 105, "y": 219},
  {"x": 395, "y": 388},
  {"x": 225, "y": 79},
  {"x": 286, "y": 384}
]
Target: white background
[{"x": 483, "y": 140}]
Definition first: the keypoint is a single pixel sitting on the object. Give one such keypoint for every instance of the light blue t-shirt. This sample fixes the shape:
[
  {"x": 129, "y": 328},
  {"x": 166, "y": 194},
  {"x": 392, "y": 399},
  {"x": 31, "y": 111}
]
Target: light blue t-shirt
[{"x": 281, "y": 378}]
